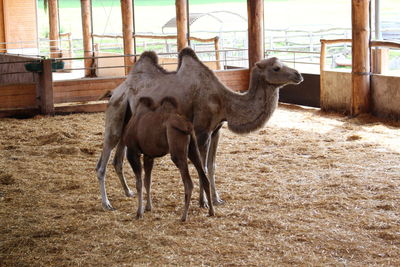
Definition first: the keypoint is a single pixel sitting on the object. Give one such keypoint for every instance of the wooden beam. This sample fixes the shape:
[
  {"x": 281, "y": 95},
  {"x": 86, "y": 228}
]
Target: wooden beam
[
  {"x": 255, "y": 11},
  {"x": 127, "y": 31},
  {"x": 360, "y": 101},
  {"x": 54, "y": 29},
  {"x": 2, "y": 29},
  {"x": 87, "y": 37},
  {"x": 181, "y": 23},
  {"x": 46, "y": 102}
]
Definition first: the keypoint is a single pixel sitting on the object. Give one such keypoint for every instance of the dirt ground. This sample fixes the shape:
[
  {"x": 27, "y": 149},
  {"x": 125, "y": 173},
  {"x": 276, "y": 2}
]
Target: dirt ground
[{"x": 308, "y": 189}]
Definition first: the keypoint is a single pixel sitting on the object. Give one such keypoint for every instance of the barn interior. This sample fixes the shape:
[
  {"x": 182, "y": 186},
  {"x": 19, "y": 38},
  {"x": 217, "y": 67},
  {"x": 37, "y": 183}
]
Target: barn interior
[{"x": 318, "y": 185}]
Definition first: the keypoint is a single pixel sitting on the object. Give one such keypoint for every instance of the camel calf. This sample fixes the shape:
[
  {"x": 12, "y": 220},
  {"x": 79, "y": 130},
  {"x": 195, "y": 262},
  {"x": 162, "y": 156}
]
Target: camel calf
[{"x": 155, "y": 131}]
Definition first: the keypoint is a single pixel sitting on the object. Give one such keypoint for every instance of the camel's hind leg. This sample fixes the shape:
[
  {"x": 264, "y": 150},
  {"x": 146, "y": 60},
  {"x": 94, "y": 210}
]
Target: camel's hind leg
[
  {"x": 101, "y": 173},
  {"x": 118, "y": 166},
  {"x": 115, "y": 116}
]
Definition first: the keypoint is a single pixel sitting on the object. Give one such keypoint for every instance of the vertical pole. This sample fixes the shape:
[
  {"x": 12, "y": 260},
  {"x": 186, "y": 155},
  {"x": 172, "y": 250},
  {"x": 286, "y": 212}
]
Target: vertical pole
[
  {"x": 321, "y": 74},
  {"x": 127, "y": 31},
  {"x": 181, "y": 23},
  {"x": 360, "y": 102},
  {"x": 255, "y": 11},
  {"x": 87, "y": 37},
  {"x": 46, "y": 89},
  {"x": 54, "y": 29},
  {"x": 217, "y": 55}
]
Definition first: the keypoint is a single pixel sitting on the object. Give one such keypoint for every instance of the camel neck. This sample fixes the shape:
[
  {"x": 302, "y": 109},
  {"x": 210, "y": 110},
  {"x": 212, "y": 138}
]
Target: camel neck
[{"x": 249, "y": 111}]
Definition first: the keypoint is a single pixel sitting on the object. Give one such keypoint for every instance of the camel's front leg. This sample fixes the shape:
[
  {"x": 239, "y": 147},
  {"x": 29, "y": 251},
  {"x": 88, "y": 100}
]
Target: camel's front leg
[{"x": 212, "y": 153}]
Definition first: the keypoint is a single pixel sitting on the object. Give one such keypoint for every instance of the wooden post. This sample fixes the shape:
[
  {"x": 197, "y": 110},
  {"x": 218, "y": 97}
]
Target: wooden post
[
  {"x": 255, "y": 11},
  {"x": 87, "y": 37},
  {"x": 360, "y": 102},
  {"x": 46, "y": 89},
  {"x": 53, "y": 29},
  {"x": 217, "y": 56},
  {"x": 181, "y": 23},
  {"x": 127, "y": 31}
]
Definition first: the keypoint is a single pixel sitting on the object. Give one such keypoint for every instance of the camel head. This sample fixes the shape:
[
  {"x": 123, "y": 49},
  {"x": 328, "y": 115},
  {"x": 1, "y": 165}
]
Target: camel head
[{"x": 275, "y": 72}]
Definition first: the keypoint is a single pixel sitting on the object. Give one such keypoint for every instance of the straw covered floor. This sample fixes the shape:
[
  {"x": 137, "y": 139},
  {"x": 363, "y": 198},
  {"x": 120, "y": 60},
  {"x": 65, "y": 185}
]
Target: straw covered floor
[{"x": 308, "y": 189}]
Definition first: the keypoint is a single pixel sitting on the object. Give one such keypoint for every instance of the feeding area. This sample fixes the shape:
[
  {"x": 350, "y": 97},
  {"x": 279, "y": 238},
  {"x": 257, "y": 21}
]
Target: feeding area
[{"x": 304, "y": 100}]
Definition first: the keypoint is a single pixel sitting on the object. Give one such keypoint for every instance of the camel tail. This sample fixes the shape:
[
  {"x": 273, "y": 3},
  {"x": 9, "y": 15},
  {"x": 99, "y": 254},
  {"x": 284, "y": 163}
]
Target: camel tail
[{"x": 106, "y": 95}]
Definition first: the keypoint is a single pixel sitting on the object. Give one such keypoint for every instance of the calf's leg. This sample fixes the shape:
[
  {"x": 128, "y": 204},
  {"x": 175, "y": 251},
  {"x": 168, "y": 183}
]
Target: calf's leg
[
  {"x": 134, "y": 161},
  {"x": 148, "y": 166}
]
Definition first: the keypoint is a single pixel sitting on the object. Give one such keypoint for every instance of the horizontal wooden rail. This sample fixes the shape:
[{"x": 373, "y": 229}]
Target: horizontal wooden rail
[{"x": 388, "y": 44}]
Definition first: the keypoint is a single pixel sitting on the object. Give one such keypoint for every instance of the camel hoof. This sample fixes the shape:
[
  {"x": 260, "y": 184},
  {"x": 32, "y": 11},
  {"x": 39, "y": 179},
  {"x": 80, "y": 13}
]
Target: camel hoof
[
  {"x": 218, "y": 202},
  {"x": 203, "y": 204},
  {"x": 129, "y": 193},
  {"x": 107, "y": 206}
]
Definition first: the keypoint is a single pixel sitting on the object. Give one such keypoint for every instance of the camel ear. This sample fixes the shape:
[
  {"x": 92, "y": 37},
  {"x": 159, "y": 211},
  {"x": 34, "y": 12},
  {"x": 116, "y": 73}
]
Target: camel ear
[{"x": 148, "y": 102}]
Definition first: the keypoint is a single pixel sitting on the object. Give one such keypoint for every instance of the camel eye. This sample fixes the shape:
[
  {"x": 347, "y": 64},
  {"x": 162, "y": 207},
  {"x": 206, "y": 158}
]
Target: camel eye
[{"x": 276, "y": 69}]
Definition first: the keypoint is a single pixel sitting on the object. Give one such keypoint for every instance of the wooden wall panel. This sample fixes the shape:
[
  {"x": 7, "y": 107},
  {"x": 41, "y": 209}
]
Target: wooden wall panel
[
  {"x": 83, "y": 90},
  {"x": 20, "y": 23},
  {"x": 236, "y": 80},
  {"x": 18, "y": 96},
  {"x": 91, "y": 89}
]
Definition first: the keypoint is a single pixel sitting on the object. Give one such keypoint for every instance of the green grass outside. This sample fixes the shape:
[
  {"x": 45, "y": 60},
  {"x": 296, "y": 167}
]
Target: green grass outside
[{"x": 110, "y": 3}]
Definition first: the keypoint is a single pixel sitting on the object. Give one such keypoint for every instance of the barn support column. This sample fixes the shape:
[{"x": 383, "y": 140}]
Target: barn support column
[
  {"x": 181, "y": 23},
  {"x": 54, "y": 30},
  {"x": 127, "y": 31},
  {"x": 360, "y": 97},
  {"x": 46, "y": 101},
  {"x": 87, "y": 37},
  {"x": 255, "y": 11}
]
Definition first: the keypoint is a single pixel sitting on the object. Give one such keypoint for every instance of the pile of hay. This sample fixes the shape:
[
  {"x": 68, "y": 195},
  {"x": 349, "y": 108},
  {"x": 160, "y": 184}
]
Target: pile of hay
[{"x": 308, "y": 189}]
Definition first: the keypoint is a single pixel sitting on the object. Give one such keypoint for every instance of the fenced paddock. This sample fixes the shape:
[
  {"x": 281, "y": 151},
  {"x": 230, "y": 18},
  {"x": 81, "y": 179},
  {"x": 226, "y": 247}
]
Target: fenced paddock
[{"x": 310, "y": 188}]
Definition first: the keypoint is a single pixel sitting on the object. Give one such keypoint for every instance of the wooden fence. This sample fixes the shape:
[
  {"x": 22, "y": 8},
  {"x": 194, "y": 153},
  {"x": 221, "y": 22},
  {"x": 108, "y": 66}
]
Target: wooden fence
[{"x": 46, "y": 96}]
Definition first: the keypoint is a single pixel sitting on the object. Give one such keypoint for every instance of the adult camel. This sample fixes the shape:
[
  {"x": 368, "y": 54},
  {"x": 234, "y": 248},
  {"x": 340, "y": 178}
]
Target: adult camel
[{"x": 203, "y": 99}]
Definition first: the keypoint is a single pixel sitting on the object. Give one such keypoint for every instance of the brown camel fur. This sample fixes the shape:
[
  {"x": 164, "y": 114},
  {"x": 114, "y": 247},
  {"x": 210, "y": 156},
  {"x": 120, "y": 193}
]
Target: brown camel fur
[
  {"x": 154, "y": 132},
  {"x": 203, "y": 99}
]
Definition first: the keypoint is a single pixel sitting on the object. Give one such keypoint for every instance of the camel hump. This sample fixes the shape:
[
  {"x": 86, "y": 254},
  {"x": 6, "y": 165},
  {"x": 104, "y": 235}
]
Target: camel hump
[
  {"x": 187, "y": 51},
  {"x": 147, "y": 102},
  {"x": 150, "y": 55}
]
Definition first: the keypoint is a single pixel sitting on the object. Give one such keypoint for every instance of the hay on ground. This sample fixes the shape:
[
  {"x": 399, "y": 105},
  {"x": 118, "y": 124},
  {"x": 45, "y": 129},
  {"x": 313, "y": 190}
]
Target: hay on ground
[{"x": 307, "y": 189}]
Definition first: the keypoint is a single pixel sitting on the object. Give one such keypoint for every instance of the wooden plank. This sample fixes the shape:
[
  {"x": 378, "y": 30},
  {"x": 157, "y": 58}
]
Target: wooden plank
[
  {"x": 18, "y": 96},
  {"x": 17, "y": 89},
  {"x": 255, "y": 11},
  {"x": 20, "y": 23},
  {"x": 236, "y": 80},
  {"x": 81, "y": 107},
  {"x": 181, "y": 23},
  {"x": 83, "y": 89},
  {"x": 360, "y": 57}
]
